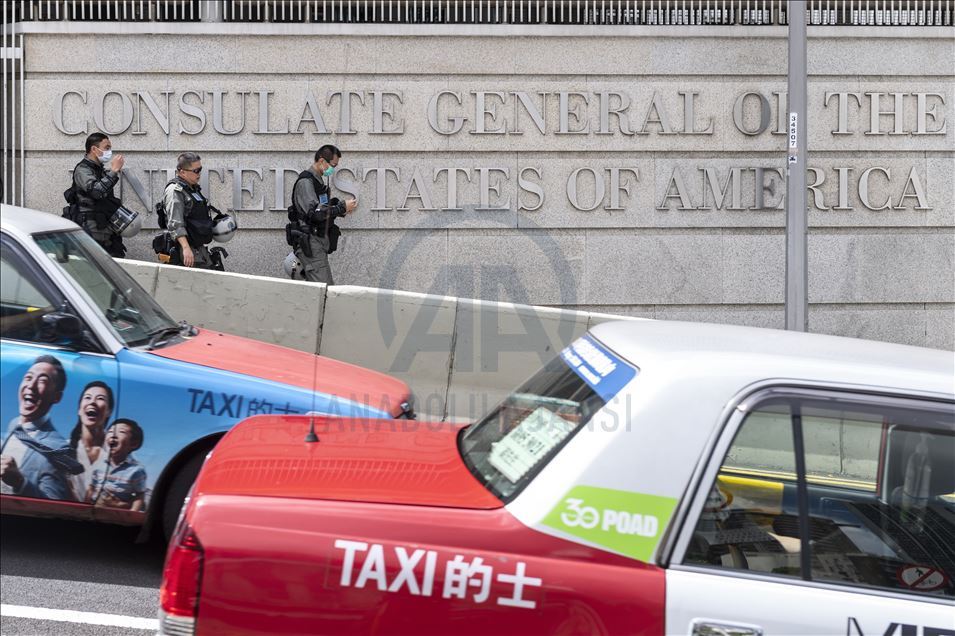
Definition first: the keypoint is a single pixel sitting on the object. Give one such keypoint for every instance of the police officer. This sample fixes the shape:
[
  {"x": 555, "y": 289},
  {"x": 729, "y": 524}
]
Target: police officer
[
  {"x": 93, "y": 181},
  {"x": 315, "y": 215},
  {"x": 188, "y": 220}
]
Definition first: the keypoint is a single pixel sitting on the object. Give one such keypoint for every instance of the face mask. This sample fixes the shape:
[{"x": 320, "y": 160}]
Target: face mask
[
  {"x": 329, "y": 171},
  {"x": 106, "y": 156}
]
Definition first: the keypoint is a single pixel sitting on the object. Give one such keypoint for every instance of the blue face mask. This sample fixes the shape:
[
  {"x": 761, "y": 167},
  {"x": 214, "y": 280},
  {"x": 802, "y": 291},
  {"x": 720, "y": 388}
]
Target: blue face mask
[{"x": 329, "y": 171}]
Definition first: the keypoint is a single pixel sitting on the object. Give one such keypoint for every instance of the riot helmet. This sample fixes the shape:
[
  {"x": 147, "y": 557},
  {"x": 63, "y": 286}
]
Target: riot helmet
[
  {"x": 125, "y": 222},
  {"x": 224, "y": 227}
]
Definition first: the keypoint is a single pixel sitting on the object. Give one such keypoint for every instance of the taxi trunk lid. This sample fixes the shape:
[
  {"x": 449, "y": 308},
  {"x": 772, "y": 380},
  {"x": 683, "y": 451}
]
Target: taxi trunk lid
[{"x": 410, "y": 462}]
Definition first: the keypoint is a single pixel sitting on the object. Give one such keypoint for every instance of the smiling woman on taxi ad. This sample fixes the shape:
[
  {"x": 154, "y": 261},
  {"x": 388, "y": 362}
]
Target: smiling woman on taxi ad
[{"x": 95, "y": 465}]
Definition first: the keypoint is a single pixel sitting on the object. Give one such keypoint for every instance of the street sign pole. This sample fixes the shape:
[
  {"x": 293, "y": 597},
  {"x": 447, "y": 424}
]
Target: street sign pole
[{"x": 797, "y": 278}]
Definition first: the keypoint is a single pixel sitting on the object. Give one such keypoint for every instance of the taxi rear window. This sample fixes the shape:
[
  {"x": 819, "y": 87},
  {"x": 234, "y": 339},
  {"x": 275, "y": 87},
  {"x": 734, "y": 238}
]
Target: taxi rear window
[{"x": 521, "y": 435}]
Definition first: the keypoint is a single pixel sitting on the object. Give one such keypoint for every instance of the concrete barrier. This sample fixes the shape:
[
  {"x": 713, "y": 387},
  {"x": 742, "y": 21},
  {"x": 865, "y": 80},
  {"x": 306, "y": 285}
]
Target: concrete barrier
[
  {"x": 459, "y": 356},
  {"x": 143, "y": 273},
  {"x": 406, "y": 335},
  {"x": 283, "y": 312}
]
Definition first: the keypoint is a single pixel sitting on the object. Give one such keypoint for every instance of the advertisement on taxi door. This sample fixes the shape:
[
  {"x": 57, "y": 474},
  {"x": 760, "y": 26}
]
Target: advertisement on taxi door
[
  {"x": 97, "y": 430},
  {"x": 67, "y": 438}
]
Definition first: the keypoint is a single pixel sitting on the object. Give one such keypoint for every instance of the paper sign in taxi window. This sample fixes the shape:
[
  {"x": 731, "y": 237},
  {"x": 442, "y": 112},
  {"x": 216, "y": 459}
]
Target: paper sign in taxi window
[{"x": 528, "y": 442}]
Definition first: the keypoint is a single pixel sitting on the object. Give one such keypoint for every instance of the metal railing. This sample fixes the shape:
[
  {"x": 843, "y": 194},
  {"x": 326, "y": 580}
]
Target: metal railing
[
  {"x": 11, "y": 112},
  {"x": 491, "y": 12}
]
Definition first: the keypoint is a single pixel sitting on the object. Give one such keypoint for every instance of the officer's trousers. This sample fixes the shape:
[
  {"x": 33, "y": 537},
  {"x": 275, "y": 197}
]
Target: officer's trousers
[
  {"x": 112, "y": 243},
  {"x": 316, "y": 268}
]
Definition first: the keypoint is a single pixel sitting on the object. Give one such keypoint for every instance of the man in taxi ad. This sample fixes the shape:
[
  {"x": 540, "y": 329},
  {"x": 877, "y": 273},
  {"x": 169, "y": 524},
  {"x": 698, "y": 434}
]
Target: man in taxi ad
[{"x": 35, "y": 460}]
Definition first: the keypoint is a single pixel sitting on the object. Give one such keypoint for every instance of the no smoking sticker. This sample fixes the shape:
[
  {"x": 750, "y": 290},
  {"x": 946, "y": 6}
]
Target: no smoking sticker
[{"x": 921, "y": 578}]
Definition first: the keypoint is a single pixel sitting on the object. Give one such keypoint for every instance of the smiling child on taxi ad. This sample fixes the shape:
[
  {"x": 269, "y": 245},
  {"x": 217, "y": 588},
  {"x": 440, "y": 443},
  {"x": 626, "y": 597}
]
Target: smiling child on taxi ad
[{"x": 94, "y": 461}]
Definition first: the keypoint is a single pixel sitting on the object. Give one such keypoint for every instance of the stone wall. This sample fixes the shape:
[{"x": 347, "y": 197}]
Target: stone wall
[{"x": 668, "y": 206}]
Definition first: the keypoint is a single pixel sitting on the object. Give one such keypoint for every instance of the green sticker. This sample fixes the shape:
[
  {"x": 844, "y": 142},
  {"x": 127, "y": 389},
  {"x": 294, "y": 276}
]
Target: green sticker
[{"x": 626, "y": 522}]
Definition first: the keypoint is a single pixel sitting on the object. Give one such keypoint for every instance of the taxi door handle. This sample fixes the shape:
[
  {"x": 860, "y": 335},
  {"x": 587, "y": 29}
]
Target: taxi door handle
[{"x": 707, "y": 627}]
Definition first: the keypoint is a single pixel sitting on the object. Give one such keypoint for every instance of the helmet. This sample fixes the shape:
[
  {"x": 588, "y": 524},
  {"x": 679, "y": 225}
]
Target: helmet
[
  {"x": 133, "y": 228},
  {"x": 125, "y": 222},
  {"x": 224, "y": 227},
  {"x": 293, "y": 268}
]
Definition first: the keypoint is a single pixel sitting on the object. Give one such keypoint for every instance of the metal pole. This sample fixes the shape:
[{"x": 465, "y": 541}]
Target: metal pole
[
  {"x": 797, "y": 279},
  {"x": 21, "y": 124}
]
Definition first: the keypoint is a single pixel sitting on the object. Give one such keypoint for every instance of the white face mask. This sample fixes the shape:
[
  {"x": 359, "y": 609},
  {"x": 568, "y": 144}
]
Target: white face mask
[{"x": 106, "y": 156}]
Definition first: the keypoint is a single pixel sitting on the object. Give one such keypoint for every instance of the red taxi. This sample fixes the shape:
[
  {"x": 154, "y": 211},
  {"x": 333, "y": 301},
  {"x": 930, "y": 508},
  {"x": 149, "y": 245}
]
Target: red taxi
[{"x": 655, "y": 478}]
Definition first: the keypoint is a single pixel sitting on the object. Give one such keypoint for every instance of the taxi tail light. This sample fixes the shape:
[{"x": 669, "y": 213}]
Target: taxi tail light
[{"x": 182, "y": 578}]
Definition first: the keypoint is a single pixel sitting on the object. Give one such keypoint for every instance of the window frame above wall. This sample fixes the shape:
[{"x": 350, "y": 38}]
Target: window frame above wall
[{"x": 603, "y": 13}]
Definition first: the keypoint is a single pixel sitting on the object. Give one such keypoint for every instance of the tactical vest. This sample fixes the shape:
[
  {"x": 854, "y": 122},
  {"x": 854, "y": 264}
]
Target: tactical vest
[
  {"x": 86, "y": 207},
  {"x": 321, "y": 191},
  {"x": 195, "y": 215}
]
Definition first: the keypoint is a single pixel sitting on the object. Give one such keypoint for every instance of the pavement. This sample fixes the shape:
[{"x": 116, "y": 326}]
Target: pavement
[{"x": 73, "y": 577}]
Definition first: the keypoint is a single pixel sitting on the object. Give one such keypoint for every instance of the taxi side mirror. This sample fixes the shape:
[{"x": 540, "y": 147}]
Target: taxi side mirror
[{"x": 62, "y": 328}]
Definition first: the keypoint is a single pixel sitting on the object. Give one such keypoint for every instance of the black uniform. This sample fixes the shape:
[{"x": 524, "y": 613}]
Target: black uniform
[{"x": 93, "y": 187}]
